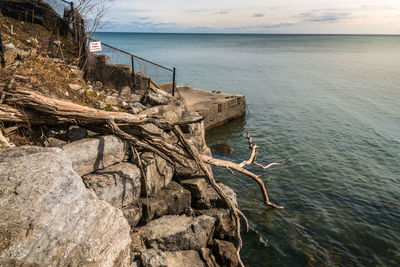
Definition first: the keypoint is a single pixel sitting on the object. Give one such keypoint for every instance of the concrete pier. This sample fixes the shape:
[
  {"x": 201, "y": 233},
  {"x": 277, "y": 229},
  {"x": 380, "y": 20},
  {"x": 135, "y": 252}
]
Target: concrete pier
[{"x": 216, "y": 107}]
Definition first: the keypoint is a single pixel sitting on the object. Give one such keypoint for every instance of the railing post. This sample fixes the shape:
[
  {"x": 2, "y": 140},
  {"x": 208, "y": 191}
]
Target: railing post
[
  {"x": 173, "y": 81},
  {"x": 133, "y": 72}
]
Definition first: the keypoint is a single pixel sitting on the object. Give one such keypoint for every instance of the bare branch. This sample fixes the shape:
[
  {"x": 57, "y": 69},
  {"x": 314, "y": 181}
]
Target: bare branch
[{"x": 130, "y": 128}]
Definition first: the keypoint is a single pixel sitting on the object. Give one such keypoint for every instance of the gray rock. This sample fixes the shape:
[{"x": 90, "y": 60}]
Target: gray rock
[
  {"x": 153, "y": 258},
  {"x": 156, "y": 97},
  {"x": 21, "y": 54},
  {"x": 133, "y": 110},
  {"x": 33, "y": 53},
  {"x": 126, "y": 90},
  {"x": 184, "y": 258},
  {"x": 76, "y": 133},
  {"x": 102, "y": 105},
  {"x": 137, "y": 244},
  {"x": 50, "y": 218},
  {"x": 204, "y": 196},
  {"x": 224, "y": 225},
  {"x": 118, "y": 184},
  {"x": 171, "y": 112},
  {"x": 195, "y": 134},
  {"x": 133, "y": 214},
  {"x": 157, "y": 258},
  {"x": 173, "y": 233},
  {"x": 14, "y": 263},
  {"x": 74, "y": 87},
  {"x": 208, "y": 258},
  {"x": 158, "y": 173},
  {"x": 10, "y": 53},
  {"x": 137, "y": 105},
  {"x": 171, "y": 200},
  {"x": 3, "y": 141},
  {"x": 91, "y": 154},
  {"x": 225, "y": 253},
  {"x": 78, "y": 73},
  {"x": 112, "y": 100},
  {"x": 222, "y": 148},
  {"x": 54, "y": 142}
]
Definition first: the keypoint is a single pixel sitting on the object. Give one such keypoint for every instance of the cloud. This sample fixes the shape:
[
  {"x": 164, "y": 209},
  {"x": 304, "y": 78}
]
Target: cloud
[
  {"x": 258, "y": 15},
  {"x": 197, "y": 11},
  {"x": 110, "y": 20},
  {"x": 222, "y": 12},
  {"x": 278, "y": 25},
  {"x": 258, "y": 28},
  {"x": 325, "y": 16},
  {"x": 376, "y": 7}
]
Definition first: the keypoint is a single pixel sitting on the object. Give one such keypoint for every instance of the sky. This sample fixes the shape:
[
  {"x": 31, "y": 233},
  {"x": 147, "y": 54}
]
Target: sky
[{"x": 255, "y": 16}]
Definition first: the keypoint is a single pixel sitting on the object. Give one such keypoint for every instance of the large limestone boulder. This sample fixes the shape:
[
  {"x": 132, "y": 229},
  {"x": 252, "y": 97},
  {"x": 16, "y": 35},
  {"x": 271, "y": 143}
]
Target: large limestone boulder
[
  {"x": 172, "y": 112},
  {"x": 157, "y": 258},
  {"x": 224, "y": 225},
  {"x": 133, "y": 213},
  {"x": 118, "y": 184},
  {"x": 174, "y": 233},
  {"x": 195, "y": 135},
  {"x": 156, "y": 97},
  {"x": 14, "y": 263},
  {"x": 171, "y": 200},
  {"x": 225, "y": 253},
  {"x": 204, "y": 196},
  {"x": 207, "y": 256},
  {"x": 158, "y": 173},
  {"x": 91, "y": 154},
  {"x": 48, "y": 216}
]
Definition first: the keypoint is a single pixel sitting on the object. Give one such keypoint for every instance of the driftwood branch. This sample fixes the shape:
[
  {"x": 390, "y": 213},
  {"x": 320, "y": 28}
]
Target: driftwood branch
[{"x": 21, "y": 105}]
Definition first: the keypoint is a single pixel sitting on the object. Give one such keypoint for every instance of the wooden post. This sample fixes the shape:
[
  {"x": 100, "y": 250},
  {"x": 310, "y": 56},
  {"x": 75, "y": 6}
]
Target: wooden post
[
  {"x": 83, "y": 41},
  {"x": 33, "y": 15},
  {"x": 73, "y": 19},
  {"x": 26, "y": 15},
  {"x": 173, "y": 82},
  {"x": 133, "y": 72}
]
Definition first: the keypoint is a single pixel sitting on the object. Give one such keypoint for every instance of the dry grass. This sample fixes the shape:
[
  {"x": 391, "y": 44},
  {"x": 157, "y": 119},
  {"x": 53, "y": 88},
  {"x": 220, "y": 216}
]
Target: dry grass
[{"x": 48, "y": 70}]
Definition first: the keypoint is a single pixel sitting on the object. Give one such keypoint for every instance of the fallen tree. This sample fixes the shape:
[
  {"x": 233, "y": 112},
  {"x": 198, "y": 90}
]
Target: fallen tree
[{"x": 19, "y": 105}]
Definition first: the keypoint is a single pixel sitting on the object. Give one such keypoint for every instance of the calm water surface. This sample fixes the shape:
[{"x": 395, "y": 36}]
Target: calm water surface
[{"x": 329, "y": 103}]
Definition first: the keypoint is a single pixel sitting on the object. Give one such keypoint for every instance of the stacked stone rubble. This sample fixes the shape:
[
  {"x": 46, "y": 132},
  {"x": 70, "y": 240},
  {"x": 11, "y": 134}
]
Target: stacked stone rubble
[{"x": 175, "y": 218}]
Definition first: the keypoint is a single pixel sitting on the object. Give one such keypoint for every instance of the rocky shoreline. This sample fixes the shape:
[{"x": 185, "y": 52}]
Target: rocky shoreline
[
  {"x": 86, "y": 202},
  {"x": 71, "y": 196}
]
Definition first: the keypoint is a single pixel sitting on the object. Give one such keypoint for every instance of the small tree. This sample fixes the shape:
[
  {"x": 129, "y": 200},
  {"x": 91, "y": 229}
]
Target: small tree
[{"x": 93, "y": 12}]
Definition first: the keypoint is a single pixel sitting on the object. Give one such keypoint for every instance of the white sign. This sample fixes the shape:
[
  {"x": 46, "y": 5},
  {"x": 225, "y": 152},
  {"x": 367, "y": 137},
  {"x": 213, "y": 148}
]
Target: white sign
[{"x": 95, "y": 46}]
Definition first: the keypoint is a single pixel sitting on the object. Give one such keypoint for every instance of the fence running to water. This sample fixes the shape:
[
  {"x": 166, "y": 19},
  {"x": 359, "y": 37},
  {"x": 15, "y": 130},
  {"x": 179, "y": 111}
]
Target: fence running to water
[
  {"x": 64, "y": 11},
  {"x": 158, "y": 73}
]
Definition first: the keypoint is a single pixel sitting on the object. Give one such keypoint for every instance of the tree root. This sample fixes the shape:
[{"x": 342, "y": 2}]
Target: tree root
[{"x": 24, "y": 106}]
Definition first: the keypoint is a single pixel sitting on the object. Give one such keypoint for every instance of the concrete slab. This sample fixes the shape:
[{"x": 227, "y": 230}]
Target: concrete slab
[{"x": 216, "y": 107}]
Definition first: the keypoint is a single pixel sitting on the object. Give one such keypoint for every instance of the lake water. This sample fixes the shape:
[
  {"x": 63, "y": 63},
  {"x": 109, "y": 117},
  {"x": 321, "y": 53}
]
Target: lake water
[{"x": 331, "y": 104}]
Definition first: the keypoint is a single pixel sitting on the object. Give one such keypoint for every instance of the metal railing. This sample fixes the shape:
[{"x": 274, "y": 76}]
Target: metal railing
[
  {"x": 160, "y": 74},
  {"x": 65, "y": 11}
]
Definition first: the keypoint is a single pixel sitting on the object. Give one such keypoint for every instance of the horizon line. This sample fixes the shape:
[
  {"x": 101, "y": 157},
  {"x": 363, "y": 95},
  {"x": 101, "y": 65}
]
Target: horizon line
[{"x": 238, "y": 33}]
